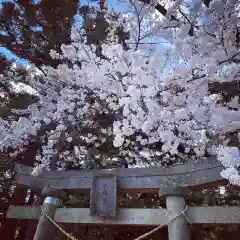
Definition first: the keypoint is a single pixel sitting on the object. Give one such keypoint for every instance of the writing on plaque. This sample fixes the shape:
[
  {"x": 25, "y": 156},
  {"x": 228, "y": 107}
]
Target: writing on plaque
[{"x": 103, "y": 196}]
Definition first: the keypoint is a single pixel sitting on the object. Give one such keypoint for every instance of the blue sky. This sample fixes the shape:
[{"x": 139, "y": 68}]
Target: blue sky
[
  {"x": 121, "y": 6},
  {"x": 118, "y": 5},
  {"x": 8, "y": 53}
]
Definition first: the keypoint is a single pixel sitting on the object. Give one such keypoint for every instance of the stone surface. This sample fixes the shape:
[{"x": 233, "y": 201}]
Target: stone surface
[
  {"x": 131, "y": 216},
  {"x": 178, "y": 191},
  {"x": 141, "y": 179},
  {"x": 56, "y": 193},
  {"x": 103, "y": 201},
  {"x": 177, "y": 228}
]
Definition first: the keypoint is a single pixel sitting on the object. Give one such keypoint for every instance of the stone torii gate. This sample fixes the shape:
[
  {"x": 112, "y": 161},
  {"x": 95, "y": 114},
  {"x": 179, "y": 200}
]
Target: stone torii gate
[{"x": 173, "y": 184}]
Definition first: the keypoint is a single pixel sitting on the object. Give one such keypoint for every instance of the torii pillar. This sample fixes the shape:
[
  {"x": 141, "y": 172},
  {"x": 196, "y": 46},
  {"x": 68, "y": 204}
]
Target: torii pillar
[
  {"x": 177, "y": 228},
  {"x": 53, "y": 198}
]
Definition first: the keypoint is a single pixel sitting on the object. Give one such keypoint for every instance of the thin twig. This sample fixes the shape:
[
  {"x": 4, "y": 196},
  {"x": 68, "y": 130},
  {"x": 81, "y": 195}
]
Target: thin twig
[{"x": 229, "y": 59}]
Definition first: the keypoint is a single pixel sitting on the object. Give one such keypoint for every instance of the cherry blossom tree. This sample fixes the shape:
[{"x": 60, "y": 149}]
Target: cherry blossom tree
[{"x": 129, "y": 108}]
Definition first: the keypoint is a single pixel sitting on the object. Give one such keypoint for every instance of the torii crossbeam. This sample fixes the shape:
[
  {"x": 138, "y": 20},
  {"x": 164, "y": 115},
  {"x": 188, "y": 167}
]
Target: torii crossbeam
[{"x": 203, "y": 175}]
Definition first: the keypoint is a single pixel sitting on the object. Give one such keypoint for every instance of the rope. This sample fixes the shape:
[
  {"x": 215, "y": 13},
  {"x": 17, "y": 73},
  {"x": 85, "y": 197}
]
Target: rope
[
  {"x": 183, "y": 212},
  {"x": 159, "y": 227},
  {"x": 58, "y": 227}
]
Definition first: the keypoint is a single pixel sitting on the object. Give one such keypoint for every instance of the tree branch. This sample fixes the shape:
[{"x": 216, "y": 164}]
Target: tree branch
[
  {"x": 160, "y": 8},
  {"x": 8, "y": 91}
]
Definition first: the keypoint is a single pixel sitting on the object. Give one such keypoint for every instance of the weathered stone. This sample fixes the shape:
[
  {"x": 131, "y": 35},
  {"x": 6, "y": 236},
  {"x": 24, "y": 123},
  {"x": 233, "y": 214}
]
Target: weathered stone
[{"x": 103, "y": 200}]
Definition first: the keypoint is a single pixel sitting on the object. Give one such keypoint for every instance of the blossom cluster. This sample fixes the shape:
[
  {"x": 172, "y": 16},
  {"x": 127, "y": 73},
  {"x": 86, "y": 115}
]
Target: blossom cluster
[{"x": 125, "y": 109}]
